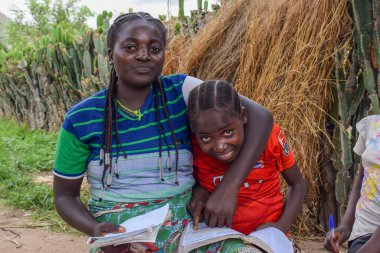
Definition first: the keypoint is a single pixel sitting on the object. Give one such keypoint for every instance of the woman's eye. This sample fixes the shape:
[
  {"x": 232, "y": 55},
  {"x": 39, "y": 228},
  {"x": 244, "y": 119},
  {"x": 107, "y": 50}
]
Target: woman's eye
[
  {"x": 228, "y": 132},
  {"x": 205, "y": 138}
]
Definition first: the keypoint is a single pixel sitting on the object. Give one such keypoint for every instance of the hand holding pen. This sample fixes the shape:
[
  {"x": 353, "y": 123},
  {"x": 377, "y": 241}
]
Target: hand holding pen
[
  {"x": 331, "y": 225},
  {"x": 336, "y": 236}
]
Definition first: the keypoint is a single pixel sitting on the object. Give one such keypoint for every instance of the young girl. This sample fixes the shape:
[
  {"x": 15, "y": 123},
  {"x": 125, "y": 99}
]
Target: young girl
[
  {"x": 361, "y": 222},
  {"x": 132, "y": 141},
  {"x": 217, "y": 120}
]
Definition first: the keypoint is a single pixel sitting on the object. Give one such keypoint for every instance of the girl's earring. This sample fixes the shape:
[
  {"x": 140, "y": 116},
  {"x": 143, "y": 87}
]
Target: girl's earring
[{"x": 110, "y": 62}]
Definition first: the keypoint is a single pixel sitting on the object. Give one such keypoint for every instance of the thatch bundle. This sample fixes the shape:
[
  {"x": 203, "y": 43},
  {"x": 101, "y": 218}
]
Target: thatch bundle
[{"x": 280, "y": 53}]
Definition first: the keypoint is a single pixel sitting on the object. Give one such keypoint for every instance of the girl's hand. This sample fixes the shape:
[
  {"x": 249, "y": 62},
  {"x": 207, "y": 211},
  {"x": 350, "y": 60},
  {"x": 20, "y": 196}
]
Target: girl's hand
[
  {"x": 221, "y": 205},
  {"x": 284, "y": 229},
  {"x": 341, "y": 234},
  {"x": 197, "y": 204},
  {"x": 103, "y": 228}
]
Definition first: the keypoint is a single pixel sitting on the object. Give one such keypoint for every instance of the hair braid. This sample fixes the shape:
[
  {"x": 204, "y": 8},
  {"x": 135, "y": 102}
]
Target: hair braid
[
  {"x": 213, "y": 94},
  {"x": 110, "y": 118}
]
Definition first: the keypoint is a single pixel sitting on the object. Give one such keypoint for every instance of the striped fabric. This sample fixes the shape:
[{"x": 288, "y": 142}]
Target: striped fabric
[{"x": 80, "y": 138}]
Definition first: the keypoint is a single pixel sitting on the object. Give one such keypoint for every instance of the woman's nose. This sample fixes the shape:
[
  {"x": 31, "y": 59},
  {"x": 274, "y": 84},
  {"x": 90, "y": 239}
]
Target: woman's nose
[{"x": 143, "y": 54}]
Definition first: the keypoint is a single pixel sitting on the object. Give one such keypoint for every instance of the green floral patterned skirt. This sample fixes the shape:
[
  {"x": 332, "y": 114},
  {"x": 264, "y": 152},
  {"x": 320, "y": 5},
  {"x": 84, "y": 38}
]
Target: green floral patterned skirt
[{"x": 169, "y": 234}]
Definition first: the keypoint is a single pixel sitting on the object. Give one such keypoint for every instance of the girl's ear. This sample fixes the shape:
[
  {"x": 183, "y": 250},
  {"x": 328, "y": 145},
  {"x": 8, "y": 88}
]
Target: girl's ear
[{"x": 244, "y": 115}]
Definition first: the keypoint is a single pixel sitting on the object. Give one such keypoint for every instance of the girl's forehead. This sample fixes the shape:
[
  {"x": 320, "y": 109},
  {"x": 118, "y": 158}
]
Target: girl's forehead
[{"x": 224, "y": 114}]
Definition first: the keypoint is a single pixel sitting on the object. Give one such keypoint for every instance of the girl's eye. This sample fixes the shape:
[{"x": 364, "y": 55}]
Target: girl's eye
[
  {"x": 155, "y": 50},
  {"x": 130, "y": 47},
  {"x": 228, "y": 132},
  {"x": 205, "y": 138}
]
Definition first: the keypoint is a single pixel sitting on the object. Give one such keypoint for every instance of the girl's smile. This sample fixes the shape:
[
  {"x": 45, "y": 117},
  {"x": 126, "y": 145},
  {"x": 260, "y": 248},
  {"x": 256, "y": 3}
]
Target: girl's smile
[{"x": 220, "y": 133}]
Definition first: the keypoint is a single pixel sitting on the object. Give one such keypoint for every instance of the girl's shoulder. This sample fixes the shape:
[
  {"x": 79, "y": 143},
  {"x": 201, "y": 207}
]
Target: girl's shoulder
[{"x": 368, "y": 124}]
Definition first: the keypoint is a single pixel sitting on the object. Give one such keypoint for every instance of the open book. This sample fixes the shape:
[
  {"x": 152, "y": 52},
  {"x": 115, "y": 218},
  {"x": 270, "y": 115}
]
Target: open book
[
  {"x": 270, "y": 240},
  {"x": 143, "y": 228}
]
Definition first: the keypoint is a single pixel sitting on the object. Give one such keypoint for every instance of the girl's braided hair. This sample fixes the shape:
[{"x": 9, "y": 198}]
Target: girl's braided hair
[
  {"x": 110, "y": 119},
  {"x": 212, "y": 94}
]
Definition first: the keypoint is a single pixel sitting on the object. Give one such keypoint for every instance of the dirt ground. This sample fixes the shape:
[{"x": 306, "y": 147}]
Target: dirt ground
[{"x": 18, "y": 235}]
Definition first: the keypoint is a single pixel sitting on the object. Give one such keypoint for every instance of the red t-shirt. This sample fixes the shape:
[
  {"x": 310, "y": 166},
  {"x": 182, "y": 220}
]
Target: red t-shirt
[{"x": 260, "y": 199}]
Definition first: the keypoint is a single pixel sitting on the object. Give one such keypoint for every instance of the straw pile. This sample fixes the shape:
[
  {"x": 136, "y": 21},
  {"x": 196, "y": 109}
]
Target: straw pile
[{"x": 279, "y": 53}]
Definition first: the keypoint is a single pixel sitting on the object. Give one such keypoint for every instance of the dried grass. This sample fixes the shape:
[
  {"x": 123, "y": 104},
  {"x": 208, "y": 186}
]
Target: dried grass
[{"x": 279, "y": 53}]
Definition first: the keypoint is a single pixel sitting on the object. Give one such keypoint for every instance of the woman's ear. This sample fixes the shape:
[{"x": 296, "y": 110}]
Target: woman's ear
[
  {"x": 244, "y": 115},
  {"x": 110, "y": 56}
]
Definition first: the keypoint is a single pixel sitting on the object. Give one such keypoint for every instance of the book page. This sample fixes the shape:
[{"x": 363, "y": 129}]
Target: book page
[
  {"x": 143, "y": 222},
  {"x": 273, "y": 238},
  {"x": 204, "y": 233},
  {"x": 142, "y": 228},
  {"x": 192, "y": 239}
]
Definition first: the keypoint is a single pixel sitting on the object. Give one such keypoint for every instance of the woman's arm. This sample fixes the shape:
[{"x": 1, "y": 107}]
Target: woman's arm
[
  {"x": 221, "y": 205},
  {"x": 72, "y": 210},
  {"x": 343, "y": 231},
  {"x": 294, "y": 197}
]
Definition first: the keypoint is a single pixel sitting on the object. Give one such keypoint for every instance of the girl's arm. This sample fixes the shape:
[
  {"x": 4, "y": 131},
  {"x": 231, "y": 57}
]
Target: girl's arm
[
  {"x": 343, "y": 231},
  {"x": 373, "y": 244},
  {"x": 294, "y": 197},
  {"x": 257, "y": 131},
  {"x": 72, "y": 210}
]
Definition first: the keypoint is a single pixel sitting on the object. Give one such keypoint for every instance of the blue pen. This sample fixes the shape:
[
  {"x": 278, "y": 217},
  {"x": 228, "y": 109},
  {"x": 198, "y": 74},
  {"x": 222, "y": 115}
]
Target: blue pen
[{"x": 331, "y": 225}]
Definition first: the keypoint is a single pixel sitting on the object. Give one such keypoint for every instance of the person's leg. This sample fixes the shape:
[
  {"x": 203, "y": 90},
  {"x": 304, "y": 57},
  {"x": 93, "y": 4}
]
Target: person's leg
[{"x": 356, "y": 244}]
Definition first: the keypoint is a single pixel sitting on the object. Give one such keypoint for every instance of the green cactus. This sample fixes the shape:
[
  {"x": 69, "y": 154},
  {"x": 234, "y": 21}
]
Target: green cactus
[
  {"x": 363, "y": 26},
  {"x": 205, "y": 6},
  {"x": 181, "y": 9},
  {"x": 199, "y": 3},
  {"x": 103, "y": 69},
  {"x": 87, "y": 69}
]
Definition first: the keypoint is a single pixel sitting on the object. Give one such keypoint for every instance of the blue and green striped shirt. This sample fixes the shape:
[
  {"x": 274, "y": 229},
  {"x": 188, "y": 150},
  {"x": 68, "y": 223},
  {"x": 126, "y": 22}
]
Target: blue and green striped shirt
[{"x": 80, "y": 138}]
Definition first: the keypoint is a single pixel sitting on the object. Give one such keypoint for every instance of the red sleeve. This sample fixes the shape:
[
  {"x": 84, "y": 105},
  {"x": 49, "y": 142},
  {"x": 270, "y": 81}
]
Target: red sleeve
[{"x": 281, "y": 145}]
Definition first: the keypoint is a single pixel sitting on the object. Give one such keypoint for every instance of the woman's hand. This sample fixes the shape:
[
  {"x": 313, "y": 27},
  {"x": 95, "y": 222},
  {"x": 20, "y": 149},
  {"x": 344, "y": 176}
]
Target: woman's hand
[
  {"x": 197, "y": 204},
  {"x": 103, "y": 228},
  {"x": 341, "y": 234}
]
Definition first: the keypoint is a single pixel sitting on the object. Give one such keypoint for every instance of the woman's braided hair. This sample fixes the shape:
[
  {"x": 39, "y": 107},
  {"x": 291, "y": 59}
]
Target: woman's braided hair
[{"x": 110, "y": 119}]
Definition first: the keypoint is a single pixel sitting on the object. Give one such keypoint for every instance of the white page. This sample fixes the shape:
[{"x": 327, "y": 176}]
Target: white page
[
  {"x": 143, "y": 222},
  {"x": 205, "y": 233},
  {"x": 275, "y": 239}
]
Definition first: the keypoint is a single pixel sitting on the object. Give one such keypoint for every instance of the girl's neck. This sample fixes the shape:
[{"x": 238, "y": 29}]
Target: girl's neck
[{"x": 132, "y": 97}]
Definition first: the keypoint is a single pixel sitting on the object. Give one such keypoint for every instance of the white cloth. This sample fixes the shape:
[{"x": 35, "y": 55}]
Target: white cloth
[{"x": 367, "y": 213}]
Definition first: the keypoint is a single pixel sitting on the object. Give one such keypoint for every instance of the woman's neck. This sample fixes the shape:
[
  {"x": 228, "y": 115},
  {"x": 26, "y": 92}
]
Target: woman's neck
[{"x": 132, "y": 97}]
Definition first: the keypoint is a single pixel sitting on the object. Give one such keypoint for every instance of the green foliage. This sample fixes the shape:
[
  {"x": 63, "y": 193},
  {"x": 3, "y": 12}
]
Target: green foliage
[
  {"x": 162, "y": 18},
  {"x": 26, "y": 153},
  {"x": 103, "y": 22},
  {"x": 130, "y": 10},
  {"x": 45, "y": 16}
]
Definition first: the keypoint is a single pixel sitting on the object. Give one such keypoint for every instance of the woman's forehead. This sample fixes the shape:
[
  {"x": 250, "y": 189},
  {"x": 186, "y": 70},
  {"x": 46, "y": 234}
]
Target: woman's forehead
[{"x": 140, "y": 27}]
